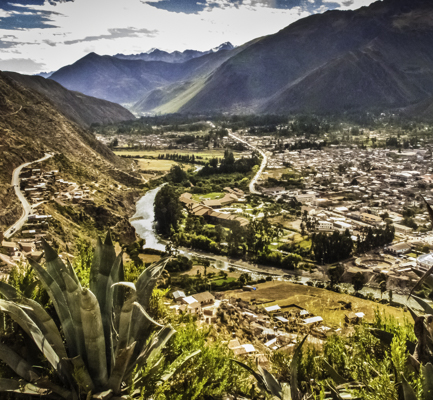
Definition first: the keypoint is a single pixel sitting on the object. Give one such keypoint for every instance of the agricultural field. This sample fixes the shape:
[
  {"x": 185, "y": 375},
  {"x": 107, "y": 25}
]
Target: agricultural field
[
  {"x": 155, "y": 165},
  {"x": 320, "y": 302},
  {"x": 206, "y": 154}
]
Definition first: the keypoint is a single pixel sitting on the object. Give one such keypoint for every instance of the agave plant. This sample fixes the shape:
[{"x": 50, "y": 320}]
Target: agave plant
[{"x": 106, "y": 335}]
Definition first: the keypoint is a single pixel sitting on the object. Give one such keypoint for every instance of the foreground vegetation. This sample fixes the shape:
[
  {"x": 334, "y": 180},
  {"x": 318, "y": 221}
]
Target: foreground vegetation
[{"x": 387, "y": 359}]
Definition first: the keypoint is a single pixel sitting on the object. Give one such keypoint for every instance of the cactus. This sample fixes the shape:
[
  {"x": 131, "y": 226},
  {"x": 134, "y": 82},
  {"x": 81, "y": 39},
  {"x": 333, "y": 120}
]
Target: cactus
[{"x": 107, "y": 333}]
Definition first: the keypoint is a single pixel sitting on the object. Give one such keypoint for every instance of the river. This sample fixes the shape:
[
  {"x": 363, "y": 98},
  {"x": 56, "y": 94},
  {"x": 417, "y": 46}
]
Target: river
[
  {"x": 144, "y": 219},
  {"x": 143, "y": 222}
]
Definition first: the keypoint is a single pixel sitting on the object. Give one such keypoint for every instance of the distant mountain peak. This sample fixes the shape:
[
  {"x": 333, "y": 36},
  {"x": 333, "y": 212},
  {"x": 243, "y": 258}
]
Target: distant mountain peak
[
  {"x": 223, "y": 46},
  {"x": 155, "y": 54}
]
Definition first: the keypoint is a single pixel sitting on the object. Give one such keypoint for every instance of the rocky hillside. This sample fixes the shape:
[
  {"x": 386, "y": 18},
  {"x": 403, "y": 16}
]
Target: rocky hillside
[
  {"x": 30, "y": 126},
  {"x": 82, "y": 109}
]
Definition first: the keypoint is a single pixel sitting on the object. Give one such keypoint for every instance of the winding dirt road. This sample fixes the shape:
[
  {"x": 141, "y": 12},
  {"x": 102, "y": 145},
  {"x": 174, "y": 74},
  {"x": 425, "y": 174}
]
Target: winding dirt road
[{"x": 26, "y": 206}]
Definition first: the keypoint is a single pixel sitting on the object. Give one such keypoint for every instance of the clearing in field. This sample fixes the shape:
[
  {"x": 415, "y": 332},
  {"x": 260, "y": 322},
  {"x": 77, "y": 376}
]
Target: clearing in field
[
  {"x": 320, "y": 302},
  {"x": 156, "y": 165}
]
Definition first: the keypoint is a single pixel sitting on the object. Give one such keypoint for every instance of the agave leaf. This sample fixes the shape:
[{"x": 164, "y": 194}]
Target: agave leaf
[
  {"x": 145, "y": 284},
  {"x": 81, "y": 374},
  {"x": 11, "y": 385},
  {"x": 147, "y": 280},
  {"x": 44, "y": 383},
  {"x": 335, "y": 393},
  {"x": 421, "y": 281},
  {"x": 54, "y": 264},
  {"x": 94, "y": 338},
  {"x": 294, "y": 370},
  {"x": 71, "y": 272},
  {"x": 427, "y": 372},
  {"x": 271, "y": 383},
  {"x": 429, "y": 209},
  {"x": 427, "y": 281},
  {"x": 286, "y": 394},
  {"x": 122, "y": 360},
  {"x": 387, "y": 338},
  {"x": 73, "y": 298},
  {"x": 103, "y": 261},
  {"x": 335, "y": 376},
  {"x": 408, "y": 392},
  {"x": 260, "y": 379},
  {"x": 152, "y": 349},
  {"x": 31, "y": 288},
  {"x": 174, "y": 367},
  {"x": 105, "y": 395},
  {"x": 22, "y": 319},
  {"x": 413, "y": 363},
  {"x": 60, "y": 304},
  {"x": 125, "y": 314},
  {"x": 38, "y": 314},
  {"x": 425, "y": 306},
  {"x": 413, "y": 314},
  {"x": 20, "y": 366}
]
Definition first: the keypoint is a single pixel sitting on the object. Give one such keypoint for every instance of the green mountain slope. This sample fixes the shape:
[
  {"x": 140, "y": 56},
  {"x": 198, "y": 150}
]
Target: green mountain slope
[{"x": 315, "y": 63}]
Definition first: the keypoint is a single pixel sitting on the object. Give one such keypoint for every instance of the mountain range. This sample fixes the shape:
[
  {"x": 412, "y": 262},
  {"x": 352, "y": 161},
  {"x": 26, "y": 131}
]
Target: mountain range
[
  {"x": 375, "y": 58},
  {"x": 173, "y": 57}
]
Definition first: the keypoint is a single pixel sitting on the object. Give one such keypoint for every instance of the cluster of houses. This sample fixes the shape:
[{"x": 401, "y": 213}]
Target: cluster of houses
[
  {"x": 209, "y": 208},
  {"x": 273, "y": 327},
  {"x": 39, "y": 186},
  {"x": 201, "y": 304}
]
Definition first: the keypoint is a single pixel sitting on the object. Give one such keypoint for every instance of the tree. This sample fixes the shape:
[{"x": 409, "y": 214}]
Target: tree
[
  {"x": 177, "y": 174},
  {"x": 213, "y": 162},
  {"x": 382, "y": 280},
  {"x": 335, "y": 273},
  {"x": 220, "y": 233},
  {"x": 168, "y": 209},
  {"x": 244, "y": 278},
  {"x": 358, "y": 281}
]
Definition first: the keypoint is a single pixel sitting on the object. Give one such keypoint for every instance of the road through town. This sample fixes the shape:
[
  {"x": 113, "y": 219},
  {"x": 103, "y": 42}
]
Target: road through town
[
  {"x": 26, "y": 206},
  {"x": 262, "y": 166}
]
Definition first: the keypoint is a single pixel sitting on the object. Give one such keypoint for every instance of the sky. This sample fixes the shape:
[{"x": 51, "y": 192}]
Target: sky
[{"x": 44, "y": 35}]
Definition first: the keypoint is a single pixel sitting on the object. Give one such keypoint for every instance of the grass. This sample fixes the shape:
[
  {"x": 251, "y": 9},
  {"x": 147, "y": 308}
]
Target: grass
[
  {"x": 412, "y": 255},
  {"x": 317, "y": 301},
  {"x": 149, "y": 258},
  {"x": 305, "y": 244},
  {"x": 208, "y": 196},
  {"x": 156, "y": 165},
  {"x": 220, "y": 282}
]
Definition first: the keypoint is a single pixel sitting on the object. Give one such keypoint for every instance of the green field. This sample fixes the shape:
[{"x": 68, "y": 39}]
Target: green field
[
  {"x": 208, "y": 196},
  {"x": 207, "y": 154},
  {"x": 220, "y": 282}
]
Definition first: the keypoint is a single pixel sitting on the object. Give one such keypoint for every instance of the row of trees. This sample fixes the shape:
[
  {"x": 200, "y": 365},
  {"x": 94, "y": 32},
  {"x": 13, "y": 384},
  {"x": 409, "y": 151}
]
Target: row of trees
[
  {"x": 229, "y": 164},
  {"x": 339, "y": 246}
]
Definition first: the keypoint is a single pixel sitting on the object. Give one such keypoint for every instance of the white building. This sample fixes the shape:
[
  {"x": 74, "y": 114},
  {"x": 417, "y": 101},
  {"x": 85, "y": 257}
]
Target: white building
[{"x": 325, "y": 226}]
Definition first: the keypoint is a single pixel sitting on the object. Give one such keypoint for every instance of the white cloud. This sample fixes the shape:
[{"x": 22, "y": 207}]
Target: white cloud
[{"x": 110, "y": 27}]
